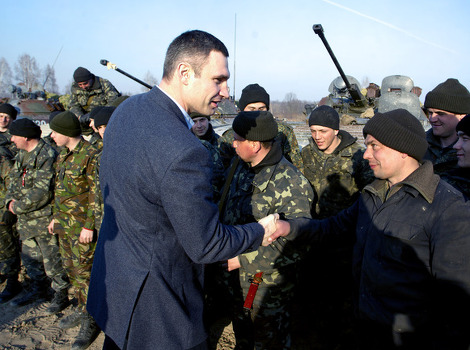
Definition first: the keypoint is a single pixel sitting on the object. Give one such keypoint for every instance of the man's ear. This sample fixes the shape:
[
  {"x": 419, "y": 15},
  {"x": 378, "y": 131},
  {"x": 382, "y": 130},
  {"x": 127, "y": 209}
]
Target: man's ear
[
  {"x": 184, "y": 72},
  {"x": 256, "y": 146}
]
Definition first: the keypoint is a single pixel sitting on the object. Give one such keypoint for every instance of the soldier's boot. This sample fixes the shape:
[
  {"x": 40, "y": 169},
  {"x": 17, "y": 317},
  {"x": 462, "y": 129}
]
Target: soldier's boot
[
  {"x": 59, "y": 302},
  {"x": 11, "y": 290},
  {"x": 35, "y": 294},
  {"x": 72, "y": 320},
  {"x": 89, "y": 331}
]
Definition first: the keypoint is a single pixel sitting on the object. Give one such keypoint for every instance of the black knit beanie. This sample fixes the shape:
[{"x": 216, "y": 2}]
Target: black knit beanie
[
  {"x": 255, "y": 126},
  {"x": 324, "y": 116},
  {"x": 26, "y": 128},
  {"x": 199, "y": 115},
  {"x": 82, "y": 74},
  {"x": 95, "y": 111},
  {"x": 399, "y": 130},
  {"x": 53, "y": 114},
  {"x": 66, "y": 123},
  {"x": 253, "y": 93},
  {"x": 450, "y": 96},
  {"x": 9, "y": 109},
  {"x": 103, "y": 116},
  {"x": 464, "y": 125}
]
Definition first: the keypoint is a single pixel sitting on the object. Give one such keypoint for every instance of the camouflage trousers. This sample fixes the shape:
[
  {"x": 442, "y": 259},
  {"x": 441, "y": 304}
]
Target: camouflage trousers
[
  {"x": 77, "y": 257},
  {"x": 41, "y": 258},
  {"x": 9, "y": 253}
]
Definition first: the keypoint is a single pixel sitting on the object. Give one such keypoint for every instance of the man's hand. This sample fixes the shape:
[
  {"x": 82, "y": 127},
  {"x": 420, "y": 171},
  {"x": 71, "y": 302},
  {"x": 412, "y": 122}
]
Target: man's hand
[
  {"x": 86, "y": 236},
  {"x": 269, "y": 225},
  {"x": 50, "y": 227},
  {"x": 282, "y": 230},
  {"x": 233, "y": 264}
]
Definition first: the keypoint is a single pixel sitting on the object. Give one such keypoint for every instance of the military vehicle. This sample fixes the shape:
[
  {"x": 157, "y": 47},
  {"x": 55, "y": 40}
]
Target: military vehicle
[{"x": 36, "y": 105}]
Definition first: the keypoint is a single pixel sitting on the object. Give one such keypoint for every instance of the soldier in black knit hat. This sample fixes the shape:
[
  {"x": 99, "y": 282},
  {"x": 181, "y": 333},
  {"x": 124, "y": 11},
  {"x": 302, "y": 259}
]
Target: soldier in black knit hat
[
  {"x": 411, "y": 265},
  {"x": 445, "y": 106},
  {"x": 8, "y": 114}
]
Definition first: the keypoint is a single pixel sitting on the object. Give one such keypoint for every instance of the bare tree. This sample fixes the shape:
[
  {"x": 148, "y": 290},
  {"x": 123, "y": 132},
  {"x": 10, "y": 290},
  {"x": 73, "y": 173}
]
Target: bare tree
[
  {"x": 50, "y": 82},
  {"x": 27, "y": 72},
  {"x": 5, "y": 76},
  {"x": 149, "y": 79}
]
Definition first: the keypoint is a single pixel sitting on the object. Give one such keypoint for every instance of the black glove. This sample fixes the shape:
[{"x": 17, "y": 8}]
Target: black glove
[
  {"x": 8, "y": 218},
  {"x": 85, "y": 120}
]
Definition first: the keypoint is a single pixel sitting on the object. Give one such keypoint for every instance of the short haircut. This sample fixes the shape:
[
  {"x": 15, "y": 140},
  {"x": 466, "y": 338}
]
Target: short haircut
[{"x": 194, "y": 47}]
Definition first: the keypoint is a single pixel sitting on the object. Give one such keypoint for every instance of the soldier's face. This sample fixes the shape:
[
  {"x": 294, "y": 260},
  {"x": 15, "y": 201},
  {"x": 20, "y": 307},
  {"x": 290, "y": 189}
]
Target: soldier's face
[
  {"x": 5, "y": 121},
  {"x": 443, "y": 123},
  {"x": 85, "y": 85},
  {"x": 385, "y": 162},
  {"x": 60, "y": 140},
  {"x": 101, "y": 130},
  {"x": 325, "y": 138},
  {"x": 204, "y": 92},
  {"x": 255, "y": 106},
  {"x": 201, "y": 125},
  {"x": 20, "y": 142},
  {"x": 463, "y": 150}
]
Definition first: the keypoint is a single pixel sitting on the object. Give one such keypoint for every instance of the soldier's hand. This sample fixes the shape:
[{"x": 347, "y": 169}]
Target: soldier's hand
[
  {"x": 86, "y": 236},
  {"x": 50, "y": 227},
  {"x": 233, "y": 264},
  {"x": 282, "y": 230},
  {"x": 269, "y": 225},
  {"x": 8, "y": 218}
]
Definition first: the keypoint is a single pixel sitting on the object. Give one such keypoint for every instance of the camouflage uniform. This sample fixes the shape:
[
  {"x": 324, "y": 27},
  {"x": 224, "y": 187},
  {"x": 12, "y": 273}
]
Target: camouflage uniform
[
  {"x": 285, "y": 137},
  {"x": 9, "y": 242},
  {"x": 98, "y": 203},
  {"x": 96, "y": 141},
  {"x": 338, "y": 179},
  {"x": 443, "y": 159},
  {"x": 75, "y": 192},
  {"x": 273, "y": 186},
  {"x": 5, "y": 141},
  {"x": 82, "y": 101},
  {"x": 50, "y": 141}
]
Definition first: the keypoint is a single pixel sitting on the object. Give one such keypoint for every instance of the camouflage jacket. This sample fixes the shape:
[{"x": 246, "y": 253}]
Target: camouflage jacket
[
  {"x": 285, "y": 137},
  {"x": 96, "y": 141},
  {"x": 75, "y": 189},
  {"x": 5, "y": 141},
  {"x": 460, "y": 179},
  {"x": 32, "y": 188},
  {"x": 337, "y": 178},
  {"x": 98, "y": 203},
  {"x": 443, "y": 159},
  {"x": 82, "y": 101},
  {"x": 6, "y": 164},
  {"x": 273, "y": 186}
]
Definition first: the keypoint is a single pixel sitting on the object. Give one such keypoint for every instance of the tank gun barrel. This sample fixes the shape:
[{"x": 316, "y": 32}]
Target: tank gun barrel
[
  {"x": 353, "y": 89},
  {"x": 110, "y": 65}
]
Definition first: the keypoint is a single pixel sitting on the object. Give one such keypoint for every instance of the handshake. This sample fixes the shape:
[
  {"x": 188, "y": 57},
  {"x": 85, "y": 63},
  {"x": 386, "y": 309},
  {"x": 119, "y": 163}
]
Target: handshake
[{"x": 273, "y": 228}]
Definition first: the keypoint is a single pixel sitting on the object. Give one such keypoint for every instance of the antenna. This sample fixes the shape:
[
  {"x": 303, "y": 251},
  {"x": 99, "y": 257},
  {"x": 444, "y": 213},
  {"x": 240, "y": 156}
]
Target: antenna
[{"x": 234, "y": 56}]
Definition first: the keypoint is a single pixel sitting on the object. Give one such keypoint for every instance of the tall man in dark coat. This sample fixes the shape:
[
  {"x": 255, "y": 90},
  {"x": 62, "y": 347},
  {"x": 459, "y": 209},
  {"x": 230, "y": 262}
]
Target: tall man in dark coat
[{"x": 160, "y": 225}]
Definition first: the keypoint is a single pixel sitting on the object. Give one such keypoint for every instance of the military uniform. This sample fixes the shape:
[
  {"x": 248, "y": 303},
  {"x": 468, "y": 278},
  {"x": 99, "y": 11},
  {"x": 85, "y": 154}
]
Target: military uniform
[
  {"x": 5, "y": 141},
  {"x": 31, "y": 189},
  {"x": 443, "y": 159},
  {"x": 9, "y": 242},
  {"x": 82, "y": 101},
  {"x": 285, "y": 137},
  {"x": 460, "y": 179},
  {"x": 75, "y": 192},
  {"x": 272, "y": 186},
  {"x": 96, "y": 141},
  {"x": 218, "y": 170}
]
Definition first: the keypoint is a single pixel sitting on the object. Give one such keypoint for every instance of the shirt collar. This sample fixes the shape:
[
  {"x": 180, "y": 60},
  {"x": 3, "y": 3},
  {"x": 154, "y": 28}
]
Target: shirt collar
[{"x": 187, "y": 118}]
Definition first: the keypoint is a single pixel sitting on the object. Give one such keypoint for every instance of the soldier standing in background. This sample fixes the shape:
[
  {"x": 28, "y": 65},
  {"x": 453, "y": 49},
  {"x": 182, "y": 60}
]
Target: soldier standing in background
[
  {"x": 9, "y": 242},
  {"x": 445, "y": 106},
  {"x": 264, "y": 183},
  {"x": 29, "y": 197},
  {"x": 334, "y": 165},
  {"x": 73, "y": 218},
  {"x": 89, "y": 91},
  {"x": 203, "y": 129},
  {"x": 255, "y": 98},
  {"x": 8, "y": 114}
]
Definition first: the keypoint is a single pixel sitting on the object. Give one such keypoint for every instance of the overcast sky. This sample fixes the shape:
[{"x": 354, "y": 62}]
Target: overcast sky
[{"x": 275, "y": 45}]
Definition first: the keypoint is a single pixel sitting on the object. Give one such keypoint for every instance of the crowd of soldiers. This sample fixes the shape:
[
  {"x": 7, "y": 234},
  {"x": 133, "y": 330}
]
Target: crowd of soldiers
[{"x": 52, "y": 208}]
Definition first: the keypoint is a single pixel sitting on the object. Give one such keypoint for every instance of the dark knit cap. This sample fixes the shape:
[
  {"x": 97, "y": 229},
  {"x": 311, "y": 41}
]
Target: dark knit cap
[
  {"x": 82, "y": 74},
  {"x": 255, "y": 126},
  {"x": 9, "y": 109},
  {"x": 53, "y": 114},
  {"x": 450, "y": 96},
  {"x": 26, "y": 128},
  {"x": 324, "y": 116},
  {"x": 199, "y": 115},
  {"x": 253, "y": 93},
  {"x": 66, "y": 123},
  {"x": 399, "y": 130},
  {"x": 95, "y": 111},
  {"x": 103, "y": 116},
  {"x": 464, "y": 125}
]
